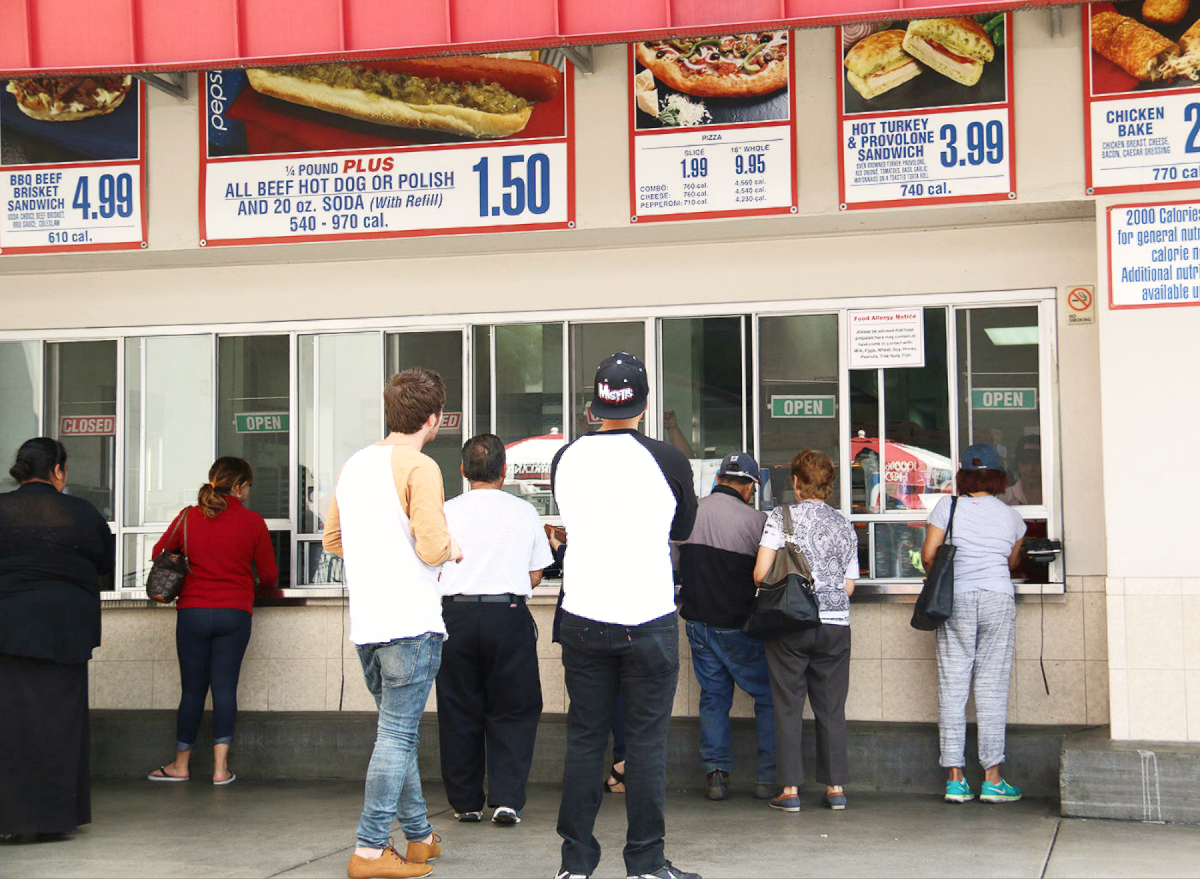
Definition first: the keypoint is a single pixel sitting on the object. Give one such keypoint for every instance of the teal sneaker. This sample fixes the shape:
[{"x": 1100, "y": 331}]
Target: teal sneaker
[
  {"x": 999, "y": 793},
  {"x": 958, "y": 792}
]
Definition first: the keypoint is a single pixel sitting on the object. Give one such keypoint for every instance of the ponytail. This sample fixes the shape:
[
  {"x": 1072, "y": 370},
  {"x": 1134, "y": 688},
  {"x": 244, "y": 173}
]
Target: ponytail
[
  {"x": 37, "y": 458},
  {"x": 223, "y": 477}
]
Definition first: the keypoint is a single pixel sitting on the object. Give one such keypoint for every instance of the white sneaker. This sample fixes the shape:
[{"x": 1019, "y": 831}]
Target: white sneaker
[
  {"x": 567, "y": 874},
  {"x": 468, "y": 817},
  {"x": 505, "y": 815}
]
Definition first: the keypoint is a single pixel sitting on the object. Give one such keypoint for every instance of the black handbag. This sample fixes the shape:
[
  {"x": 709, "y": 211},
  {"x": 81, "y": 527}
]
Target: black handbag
[
  {"x": 786, "y": 601},
  {"x": 167, "y": 571},
  {"x": 936, "y": 601}
]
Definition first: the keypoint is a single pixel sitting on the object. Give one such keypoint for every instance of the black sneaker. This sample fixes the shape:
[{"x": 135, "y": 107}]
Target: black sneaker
[
  {"x": 667, "y": 871},
  {"x": 714, "y": 785}
]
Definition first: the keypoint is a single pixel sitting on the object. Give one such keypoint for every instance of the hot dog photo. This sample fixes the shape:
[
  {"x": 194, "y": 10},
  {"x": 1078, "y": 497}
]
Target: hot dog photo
[
  {"x": 922, "y": 63},
  {"x": 1146, "y": 44},
  {"x": 321, "y": 107}
]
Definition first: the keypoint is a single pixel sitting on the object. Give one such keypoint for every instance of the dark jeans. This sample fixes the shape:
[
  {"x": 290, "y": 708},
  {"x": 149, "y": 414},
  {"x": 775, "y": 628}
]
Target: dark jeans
[
  {"x": 641, "y": 663},
  {"x": 814, "y": 663},
  {"x": 489, "y": 700},
  {"x": 211, "y": 643}
]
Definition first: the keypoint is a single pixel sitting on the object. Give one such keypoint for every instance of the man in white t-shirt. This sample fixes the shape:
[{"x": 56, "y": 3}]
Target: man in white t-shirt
[{"x": 488, "y": 690}]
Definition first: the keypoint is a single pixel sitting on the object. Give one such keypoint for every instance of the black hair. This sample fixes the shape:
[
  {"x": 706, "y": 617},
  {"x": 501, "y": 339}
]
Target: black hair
[
  {"x": 483, "y": 458},
  {"x": 37, "y": 458},
  {"x": 723, "y": 479}
]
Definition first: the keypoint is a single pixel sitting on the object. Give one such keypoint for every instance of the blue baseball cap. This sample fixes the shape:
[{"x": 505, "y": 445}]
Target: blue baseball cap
[
  {"x": 981, "y": 456},
  {"x": 739, "y": 464}
]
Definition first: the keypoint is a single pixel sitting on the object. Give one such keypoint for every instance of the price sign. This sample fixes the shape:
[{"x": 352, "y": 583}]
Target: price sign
[
  {"x": 1154, "y": 255},
  {"x": 74, "y": 183},
  {"x": 1139, "y": 135},
  {"x": 919, "y": 136},
  {"x": 354, "y": 179},
  {"x": 711, "y": 156}
]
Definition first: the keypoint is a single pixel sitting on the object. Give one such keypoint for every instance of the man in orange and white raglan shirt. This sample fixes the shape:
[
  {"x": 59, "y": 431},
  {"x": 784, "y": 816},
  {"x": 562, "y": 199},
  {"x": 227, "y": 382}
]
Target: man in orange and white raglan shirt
[{"x": 386, "y": 521}]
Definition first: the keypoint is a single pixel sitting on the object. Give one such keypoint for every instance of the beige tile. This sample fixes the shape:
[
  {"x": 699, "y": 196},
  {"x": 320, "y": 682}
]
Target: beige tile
[
  {"x": 92, "y": 684},
  {"x": 1153, "y": 586},
  {"x": 1067, "y": 701},
  {"x": 865, "y": 699},
  {"x": 1153, "y": 632},
  {"x": 353, "y": 692},
  {"x": 136, "y": 633},
  {"x": 866, "y": 637},
  {"x": 909, "y": 690},
  {"x": 1191, "y": 631},
  {"x": 1118, "y": 703},
  {"x": 1193, "y": 704},
  {"x": 1058, "y": 626},
  {"x": 1190, "y": 585},
  {"x": 125, "y": 684},
  {"x": 1092, "y": 584},
  {"x": 291, "y": 632},
  {"x": 253, "y": 685},
  {"x": 899, "y": 640},
  {"x": 1095, "y": 625},
  {"x": 296, "y": 684},
  {"x": 1157, "y": 704},
  {"x": 431, "y": 701},
  {"x": 166, "y": 684},
  {"x": 1114, "y": 585},
  {"x": 1115, "y": 618},
  {"x": 1096, "y": 680},
  {"x": 554, "y": 689},
  {"x": 543, "y": 616}
]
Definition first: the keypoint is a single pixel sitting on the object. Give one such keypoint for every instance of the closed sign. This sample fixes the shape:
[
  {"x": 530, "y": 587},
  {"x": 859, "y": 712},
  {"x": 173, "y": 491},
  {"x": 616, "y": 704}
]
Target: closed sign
[{"x": 87, "y": 425}]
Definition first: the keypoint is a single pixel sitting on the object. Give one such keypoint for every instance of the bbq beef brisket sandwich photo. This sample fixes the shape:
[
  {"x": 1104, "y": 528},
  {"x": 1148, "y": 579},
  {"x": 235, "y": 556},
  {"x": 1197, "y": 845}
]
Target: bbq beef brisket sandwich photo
[
  {"x": 69, "y": 98},
  {"x": 954, "y": 47}
]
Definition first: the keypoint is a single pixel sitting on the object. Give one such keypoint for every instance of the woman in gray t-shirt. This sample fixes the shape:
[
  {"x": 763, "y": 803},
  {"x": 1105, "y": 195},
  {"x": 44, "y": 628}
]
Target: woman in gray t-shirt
[{"x": 980, "y": 634}]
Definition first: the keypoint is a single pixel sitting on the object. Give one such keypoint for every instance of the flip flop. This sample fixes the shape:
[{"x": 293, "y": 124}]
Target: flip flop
[
  {"x": 230, "y": 780},
  {"x": 164, "y": 776}
]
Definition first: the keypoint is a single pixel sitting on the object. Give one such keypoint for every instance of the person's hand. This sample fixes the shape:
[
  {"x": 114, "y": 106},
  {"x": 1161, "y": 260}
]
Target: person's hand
[
  {"x": 669, "y": 421},
  {"x": 456, "y": 553}
]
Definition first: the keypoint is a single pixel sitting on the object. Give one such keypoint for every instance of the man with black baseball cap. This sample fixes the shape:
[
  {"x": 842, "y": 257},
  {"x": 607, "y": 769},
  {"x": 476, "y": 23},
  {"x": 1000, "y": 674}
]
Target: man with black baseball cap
[
  {"x": 623, "y": 498},
  {"x": 716, "y": 565}
]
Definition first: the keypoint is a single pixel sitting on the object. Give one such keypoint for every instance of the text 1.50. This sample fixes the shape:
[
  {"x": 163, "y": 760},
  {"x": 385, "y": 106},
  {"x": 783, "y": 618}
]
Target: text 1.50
[{"x": 526, "y": 185}]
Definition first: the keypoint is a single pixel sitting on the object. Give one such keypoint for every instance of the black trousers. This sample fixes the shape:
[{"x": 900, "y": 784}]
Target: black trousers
[
  {"x": 489, "y": 700},
  {"x": 641, "y": 663},
  {"x": 814, "y": 663}
]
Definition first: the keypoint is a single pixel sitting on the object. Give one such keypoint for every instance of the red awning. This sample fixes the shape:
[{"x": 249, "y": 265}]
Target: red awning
[{"x": 162, "y": 35}]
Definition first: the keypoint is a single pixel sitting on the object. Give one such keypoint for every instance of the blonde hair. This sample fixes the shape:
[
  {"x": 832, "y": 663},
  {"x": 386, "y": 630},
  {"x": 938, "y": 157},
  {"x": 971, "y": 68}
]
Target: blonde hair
[{"x": 812, "y": 472}]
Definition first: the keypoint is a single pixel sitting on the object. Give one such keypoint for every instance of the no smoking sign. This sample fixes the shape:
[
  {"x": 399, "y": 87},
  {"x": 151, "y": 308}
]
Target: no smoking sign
[{"x": 1081, "y": 305}]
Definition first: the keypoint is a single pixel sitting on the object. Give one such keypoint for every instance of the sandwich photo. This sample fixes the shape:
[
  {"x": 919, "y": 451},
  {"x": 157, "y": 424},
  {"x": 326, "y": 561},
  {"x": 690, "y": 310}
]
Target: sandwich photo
[
  {"x": 69, "y": 98},
  {"x": 878, "y": 63},
  {"x": 469, "y": 96},
  {"x": 954, "y": 47}
]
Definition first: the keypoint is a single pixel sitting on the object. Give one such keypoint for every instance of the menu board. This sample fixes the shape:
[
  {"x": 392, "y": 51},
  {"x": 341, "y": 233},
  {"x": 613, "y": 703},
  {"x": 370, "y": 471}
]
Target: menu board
[
  {"x": 390, "y": 149},
  {"x": 925, "y": 112},
  {"x": 1141, "y": 98},
  {"x": 712, "y": 127},
  {"x": 72, "y": 164},
  {"x": 1154, "y": 254}
]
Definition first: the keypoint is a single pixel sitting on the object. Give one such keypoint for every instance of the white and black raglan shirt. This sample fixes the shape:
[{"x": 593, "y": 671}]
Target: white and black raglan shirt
[{"x": 622, "y": 497}]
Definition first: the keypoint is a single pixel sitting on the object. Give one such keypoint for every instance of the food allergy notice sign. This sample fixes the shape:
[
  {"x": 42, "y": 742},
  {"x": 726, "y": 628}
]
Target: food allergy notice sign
[
  {"x": 1154, "y": 254},
  {"x": 389, "y": 149},
  {"x": 882, "y": 339},
  {"x": 925, "y": 112},
  {"x": 712, "y": 127},
  {"x": 73, "y": 172}
]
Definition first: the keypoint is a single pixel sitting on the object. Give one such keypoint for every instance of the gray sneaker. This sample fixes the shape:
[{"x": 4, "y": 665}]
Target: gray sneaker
[
  {"x": 667, "y": 871},
  {"x": 764, "y": 790},
  {"x": 714, "y": 785}
]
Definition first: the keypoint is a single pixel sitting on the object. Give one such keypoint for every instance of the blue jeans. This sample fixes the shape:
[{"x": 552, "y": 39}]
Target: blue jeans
[
  {"x": 399, "y": 675},
  {"x": 722, "y": 658},
  {"x": 211, "y": 642}
]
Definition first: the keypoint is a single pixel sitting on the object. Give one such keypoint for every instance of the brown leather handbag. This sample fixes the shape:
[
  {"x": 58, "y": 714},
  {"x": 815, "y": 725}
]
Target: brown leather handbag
[{"x": 169, "y": 568}]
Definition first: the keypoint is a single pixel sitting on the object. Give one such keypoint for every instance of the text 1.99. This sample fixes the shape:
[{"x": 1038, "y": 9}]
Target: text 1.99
[
  {"x": 696, "y": 167},
  {"x": 114, "y": 197},
  {"x": 524, "y": 188},
  {"x": 985, "y": 144}
]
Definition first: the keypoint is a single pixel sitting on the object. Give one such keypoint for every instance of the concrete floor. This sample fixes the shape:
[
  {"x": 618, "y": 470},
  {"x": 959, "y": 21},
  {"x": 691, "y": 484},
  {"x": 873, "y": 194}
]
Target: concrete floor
[{"x": 305, "y": 829}]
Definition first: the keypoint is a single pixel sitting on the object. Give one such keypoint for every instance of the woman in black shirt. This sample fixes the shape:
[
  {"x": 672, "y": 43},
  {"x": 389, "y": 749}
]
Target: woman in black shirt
[{"x": 53, "y": 550}]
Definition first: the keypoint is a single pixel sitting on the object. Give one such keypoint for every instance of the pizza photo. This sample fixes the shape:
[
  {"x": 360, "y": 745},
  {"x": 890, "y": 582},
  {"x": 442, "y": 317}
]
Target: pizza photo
[{"x": 723, "y": 80}]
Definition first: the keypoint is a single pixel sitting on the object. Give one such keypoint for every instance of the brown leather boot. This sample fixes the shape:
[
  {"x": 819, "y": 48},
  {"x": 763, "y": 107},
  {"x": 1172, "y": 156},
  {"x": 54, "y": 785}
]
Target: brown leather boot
[
  {"x": 389, "y": 865},
  {"x": 423, "y": 852}
]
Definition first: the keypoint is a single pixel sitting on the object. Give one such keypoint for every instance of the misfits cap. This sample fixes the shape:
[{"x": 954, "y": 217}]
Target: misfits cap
[
  {"x": 621, "y": 387},
  {"x": 987, "y": 456},
  {"x": 739, "y": 464}
]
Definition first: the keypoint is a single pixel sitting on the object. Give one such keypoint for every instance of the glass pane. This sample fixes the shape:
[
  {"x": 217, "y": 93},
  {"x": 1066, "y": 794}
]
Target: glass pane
[
  {"x": 482, "y": 369},
  {"x": 252, "y": 415},
  {"x": 1000, "y": 392},
  {"x": 20, "y": 401},
  {"x": 590, "y": 344},
  {"x": 81, "y": 411},
  {"x": 135, "y": 562},
  {"x": 917, "y": 464},
  {"x": 341, "y": 410},
  {"x": 440, "y": 351},
  {"x": 798, "y": 392},
  {"x": 529, "y": 410},
  {"x": 318, "y": 567},
  {"x": 702, "y": 392},
  {"x": 168, "y": 424},
  {"x": 865, "y": 494},
  {"x": 898, "y": 549},
  {"x": 282, "y": 541}
]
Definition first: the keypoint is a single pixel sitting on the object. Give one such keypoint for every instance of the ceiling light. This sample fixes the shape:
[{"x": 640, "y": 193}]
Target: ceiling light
[{"x": 1012, "y": 335}]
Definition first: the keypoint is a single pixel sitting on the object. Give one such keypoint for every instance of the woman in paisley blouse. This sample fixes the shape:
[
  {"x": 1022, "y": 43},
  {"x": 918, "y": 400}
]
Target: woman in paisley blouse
[{"x": 813, "y": 663}]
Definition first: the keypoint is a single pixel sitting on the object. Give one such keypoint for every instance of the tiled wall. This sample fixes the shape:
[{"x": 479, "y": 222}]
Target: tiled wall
[
  {"x": 299, "y": 657},
  {"x": 1154, "y": 633}
]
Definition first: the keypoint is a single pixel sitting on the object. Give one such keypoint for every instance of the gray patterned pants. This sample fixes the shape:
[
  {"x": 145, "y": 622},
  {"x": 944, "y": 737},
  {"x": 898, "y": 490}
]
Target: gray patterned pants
[{"x": 977, "y": 641}]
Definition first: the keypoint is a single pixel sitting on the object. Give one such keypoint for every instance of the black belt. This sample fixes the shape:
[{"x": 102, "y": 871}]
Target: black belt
[{"x": 506, "y": 598}]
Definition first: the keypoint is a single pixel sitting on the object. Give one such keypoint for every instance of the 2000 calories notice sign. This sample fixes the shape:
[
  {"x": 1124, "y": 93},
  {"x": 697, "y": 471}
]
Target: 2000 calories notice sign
[
  {"x": 925, "y": 112},
  {"x": 389, "y": 149},
  {"x": 72, "y": 164},
  {"x": 1154, "y": 254}
]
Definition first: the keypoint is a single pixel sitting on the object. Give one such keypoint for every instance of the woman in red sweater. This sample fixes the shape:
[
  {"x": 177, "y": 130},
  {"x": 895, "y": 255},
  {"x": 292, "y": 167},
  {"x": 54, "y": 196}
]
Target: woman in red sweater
[{"x": 225, "y": 542}]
